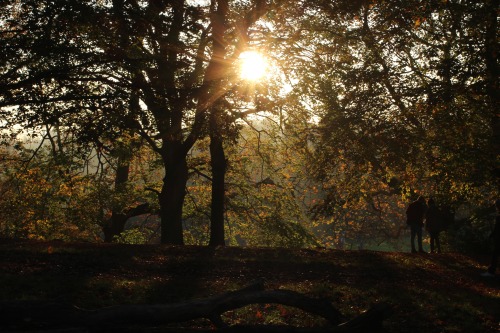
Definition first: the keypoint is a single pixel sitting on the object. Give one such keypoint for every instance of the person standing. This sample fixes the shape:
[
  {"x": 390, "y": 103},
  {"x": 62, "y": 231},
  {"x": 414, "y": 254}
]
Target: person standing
[
  {"x": 495, "y": 236},
  {"x": 433, "y": 225},
  {"x": 415, "y": 214}
]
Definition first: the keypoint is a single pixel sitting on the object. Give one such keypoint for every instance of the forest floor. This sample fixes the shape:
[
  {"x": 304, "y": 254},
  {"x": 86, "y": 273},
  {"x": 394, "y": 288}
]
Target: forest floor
[{"x": 428, "y": 292}]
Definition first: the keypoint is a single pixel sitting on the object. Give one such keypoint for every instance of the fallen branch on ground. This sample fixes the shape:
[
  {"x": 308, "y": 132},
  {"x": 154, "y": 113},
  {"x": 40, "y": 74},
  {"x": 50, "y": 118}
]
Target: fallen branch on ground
[{"x": 141, "y": 318}]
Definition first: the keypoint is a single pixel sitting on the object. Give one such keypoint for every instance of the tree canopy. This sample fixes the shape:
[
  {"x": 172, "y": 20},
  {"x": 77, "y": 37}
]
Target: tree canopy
[{"x": 363, "y": 105}]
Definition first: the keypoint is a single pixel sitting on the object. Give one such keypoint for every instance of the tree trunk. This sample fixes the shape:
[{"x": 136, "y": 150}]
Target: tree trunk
[
  {"x": 116, "y": 223},
  {"x": 172, "y": 194},
  {"x": 216, "y": 122},
  {"x": 491, "y": 56},
  {"x": 218, "y": 164}
]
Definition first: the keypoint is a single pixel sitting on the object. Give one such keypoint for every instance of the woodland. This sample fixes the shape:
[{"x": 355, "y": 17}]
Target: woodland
[{"x": 138, "y": 122}]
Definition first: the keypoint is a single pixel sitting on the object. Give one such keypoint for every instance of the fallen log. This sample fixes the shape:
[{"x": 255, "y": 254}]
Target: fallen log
[
  {"x": 136, "y": 318},
  {"x": 211, "y": 308}
]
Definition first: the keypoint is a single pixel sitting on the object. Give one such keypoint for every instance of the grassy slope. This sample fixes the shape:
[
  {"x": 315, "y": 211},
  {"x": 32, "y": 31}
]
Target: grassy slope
[{"x": 430, "y": 293}]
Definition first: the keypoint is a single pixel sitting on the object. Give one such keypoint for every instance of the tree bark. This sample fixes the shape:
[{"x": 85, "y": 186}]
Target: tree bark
[
  {"x": 210, "y": 308},
  {"x": 491, "y": 56},
  {"x": 173, "y": 193},
  {"x": 140, "y": 318},
  {"x": 218, "y": 164},
  {"x": 216, "y": 123},
  {"x": 116, "y": 226},
  {"x": 116, "y": 223}
]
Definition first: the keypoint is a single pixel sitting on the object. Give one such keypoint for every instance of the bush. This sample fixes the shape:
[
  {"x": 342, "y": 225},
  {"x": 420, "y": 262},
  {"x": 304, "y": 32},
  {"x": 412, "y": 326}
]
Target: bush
[{"x": 471, "y": 235}]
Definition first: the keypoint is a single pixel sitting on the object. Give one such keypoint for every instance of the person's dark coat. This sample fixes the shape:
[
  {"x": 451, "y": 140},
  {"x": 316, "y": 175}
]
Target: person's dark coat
[
  {"x": 433, "y": 219},
  {"x": 415, "y": 213}
]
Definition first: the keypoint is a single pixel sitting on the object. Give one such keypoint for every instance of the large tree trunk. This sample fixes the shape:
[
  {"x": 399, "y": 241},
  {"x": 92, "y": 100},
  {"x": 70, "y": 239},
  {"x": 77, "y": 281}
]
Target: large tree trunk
[
  {"x": 218, "y": 164},
  {"x": 216, "y": 122},
  {"x": 172, "y": 194}
]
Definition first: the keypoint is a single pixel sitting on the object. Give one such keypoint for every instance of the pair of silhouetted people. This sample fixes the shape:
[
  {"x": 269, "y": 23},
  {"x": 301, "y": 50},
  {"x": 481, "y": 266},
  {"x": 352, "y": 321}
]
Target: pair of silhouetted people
[{"x": 417, "y": 212}]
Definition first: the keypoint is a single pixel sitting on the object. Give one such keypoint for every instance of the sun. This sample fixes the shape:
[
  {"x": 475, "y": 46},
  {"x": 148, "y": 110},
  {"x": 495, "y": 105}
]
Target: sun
[{"x": 252, "y": 66}]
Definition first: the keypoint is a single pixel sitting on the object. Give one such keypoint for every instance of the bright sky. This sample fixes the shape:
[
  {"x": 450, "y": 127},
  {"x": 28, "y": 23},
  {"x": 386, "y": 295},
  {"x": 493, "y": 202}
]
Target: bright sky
[{"x": 253, "y": 66}]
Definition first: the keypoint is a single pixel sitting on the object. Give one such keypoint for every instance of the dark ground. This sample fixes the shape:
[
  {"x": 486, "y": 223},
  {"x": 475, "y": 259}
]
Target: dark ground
[{"x": 429, "y": 292}]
